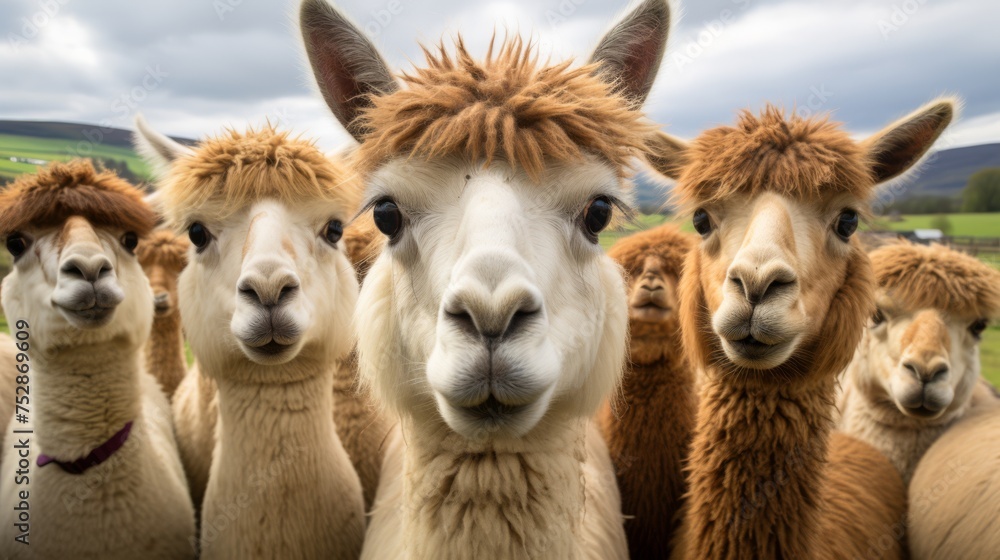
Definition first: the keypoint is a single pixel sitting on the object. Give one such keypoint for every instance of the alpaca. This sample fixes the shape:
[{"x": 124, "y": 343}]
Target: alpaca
[
  {"x": 265, "y": 214},
  {"x": 915, "y": 371},
  {"x": 773, "y": 304},
  {"x": 104, "y": 479},
  {"x": 491, "y": 321},
  {"x": 163, "y": 255},
  {"x": 649, "y": 435},
  {"x": 955, "y": 492}
]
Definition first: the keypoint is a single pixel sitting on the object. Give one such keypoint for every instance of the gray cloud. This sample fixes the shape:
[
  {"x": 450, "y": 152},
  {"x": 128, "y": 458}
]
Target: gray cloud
[{"x": 226, "y": 62}]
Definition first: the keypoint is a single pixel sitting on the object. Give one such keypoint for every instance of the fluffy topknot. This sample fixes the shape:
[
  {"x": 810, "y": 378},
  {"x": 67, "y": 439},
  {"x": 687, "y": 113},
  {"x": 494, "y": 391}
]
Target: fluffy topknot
[
  {"x": 61, "y": 190},
  {"x": 919, "y": 276}
]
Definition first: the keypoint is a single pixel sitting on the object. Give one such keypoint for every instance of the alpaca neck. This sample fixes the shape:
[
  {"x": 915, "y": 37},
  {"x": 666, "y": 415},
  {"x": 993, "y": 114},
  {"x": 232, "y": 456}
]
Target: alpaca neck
[
  {"x": 85, "y": 395},
  {"x": 165, "y": 352},
  {"x": 513, "y": 499},
  {"x": 649, "y": 444},
  {"x": 278, "y": 457},
  {"x": 757, "y": 465}
]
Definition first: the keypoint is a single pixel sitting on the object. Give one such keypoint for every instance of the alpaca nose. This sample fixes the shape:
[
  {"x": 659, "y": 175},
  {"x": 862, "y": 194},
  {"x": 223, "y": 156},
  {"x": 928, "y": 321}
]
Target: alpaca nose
[
  {"x": 926, "y": 371},
  {"x": 90, "y": 268},
  {"x": 492, "y": 300},
  {"x": 268, "y": 286},
  {"x": 762, "y": 283}
]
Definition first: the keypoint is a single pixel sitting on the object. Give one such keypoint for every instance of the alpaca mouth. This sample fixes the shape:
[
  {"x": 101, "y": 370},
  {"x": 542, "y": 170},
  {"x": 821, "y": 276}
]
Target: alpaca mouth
[
  {"x": 649, "y": 312},
  {"x": 88, "y": 318},
  {"x": 753, "y": 353},
  {"x": 921, "y": 411}
]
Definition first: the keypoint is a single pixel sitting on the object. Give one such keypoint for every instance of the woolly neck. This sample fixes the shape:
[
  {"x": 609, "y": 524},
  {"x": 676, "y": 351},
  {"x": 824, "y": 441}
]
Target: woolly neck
[
  {"x": 84, "y": 395},
  {"x": 506, "y": 499},
  {"x": 649, "y": 442},
  {"x": 164, "y": 352}
]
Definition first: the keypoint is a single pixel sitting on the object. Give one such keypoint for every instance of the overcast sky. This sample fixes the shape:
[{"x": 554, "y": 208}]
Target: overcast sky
[{"x": 194, "y": 66}]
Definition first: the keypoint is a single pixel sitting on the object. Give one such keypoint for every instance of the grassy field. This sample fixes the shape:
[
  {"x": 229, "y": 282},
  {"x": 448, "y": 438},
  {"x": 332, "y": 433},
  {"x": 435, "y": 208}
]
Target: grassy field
[
  {"x": 59, "y": 149},
  {"x": 977, "y": 225}
]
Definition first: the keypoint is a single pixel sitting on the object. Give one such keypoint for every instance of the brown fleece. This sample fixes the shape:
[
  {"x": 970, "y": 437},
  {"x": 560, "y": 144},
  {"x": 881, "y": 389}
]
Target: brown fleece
[
  {"x": 649, "y": 430},
  {"x": 163, "y": 256},
  {"x": 61, "y": 190}
]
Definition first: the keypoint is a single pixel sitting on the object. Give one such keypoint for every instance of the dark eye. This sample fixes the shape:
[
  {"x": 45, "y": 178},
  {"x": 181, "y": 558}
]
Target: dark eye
[
  {"x": 977, "y": 328},
  {"x": 130, "y": 241},
  {"x": 333, "y": 232},
  {"x": 702, "y": 223},
  {"x": 17, "y": 244},
  {"x": 199, "y": 235},
  {"x": 878, "y": 318},
  {"x": 388, "y": 218},
  {"x": 597, "y": 216},
  {"x": 847, "y": 224}
]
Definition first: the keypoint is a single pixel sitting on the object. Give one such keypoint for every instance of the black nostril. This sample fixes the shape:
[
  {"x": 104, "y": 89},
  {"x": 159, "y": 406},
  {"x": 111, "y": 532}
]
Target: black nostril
[
  {"x": 287, "y": 293},
  {"x": 940, "y": 374},
  {"x": 913, "y": 371},
  {"x": 251, "y": 294},
  {"x": 520, "y": 320},
  {"x": 463, "y": 321}
]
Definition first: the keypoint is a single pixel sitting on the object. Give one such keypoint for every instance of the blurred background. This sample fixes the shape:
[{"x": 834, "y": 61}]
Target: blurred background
[{"x": 76, "y": 73}]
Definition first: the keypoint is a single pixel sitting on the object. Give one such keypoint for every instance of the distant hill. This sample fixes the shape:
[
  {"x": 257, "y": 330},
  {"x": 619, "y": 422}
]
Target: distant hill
[
  {"x": 945, "y": 173},
  {"x": 25, "y": 145},
  {"x": 76, "y": 132}
]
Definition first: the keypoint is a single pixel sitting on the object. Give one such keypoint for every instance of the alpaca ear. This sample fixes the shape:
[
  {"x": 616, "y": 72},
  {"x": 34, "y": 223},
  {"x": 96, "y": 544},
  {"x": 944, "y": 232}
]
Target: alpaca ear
[
  {"x": 157, "y": 149},
  {"x": 347, "y": 66},
  {"x": 666, "y": 154},
  {"x": 900, "y": 145},
  {"x": 630, "y": 54}
]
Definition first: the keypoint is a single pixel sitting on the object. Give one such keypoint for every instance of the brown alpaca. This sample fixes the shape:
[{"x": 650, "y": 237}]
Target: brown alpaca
[
  {"x": 163, "y": 255},
  {"x": 773, "y": 303},
  {"x": 649, "y": 431}
]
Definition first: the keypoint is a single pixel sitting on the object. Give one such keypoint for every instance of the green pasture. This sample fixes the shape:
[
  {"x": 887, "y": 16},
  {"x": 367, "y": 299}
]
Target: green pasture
[
  {"x": 61, "y": 150},
  {"x": 976, "y": 225}
]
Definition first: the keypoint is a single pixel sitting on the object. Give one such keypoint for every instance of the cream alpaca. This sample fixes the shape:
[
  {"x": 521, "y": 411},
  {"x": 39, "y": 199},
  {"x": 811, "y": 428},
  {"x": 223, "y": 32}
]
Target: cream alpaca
[
  {"x": 8, "y": 375},
  {"x": 163, "y": 256},
  {"x": 955, "y": 492},
  {"x": 491, "y": 321},
  {"x": 89, "y": 309},
  {"x": 264, "y": 213},
  {"x": 773, "y": 304},
  {"x": 915, "y": 371}
]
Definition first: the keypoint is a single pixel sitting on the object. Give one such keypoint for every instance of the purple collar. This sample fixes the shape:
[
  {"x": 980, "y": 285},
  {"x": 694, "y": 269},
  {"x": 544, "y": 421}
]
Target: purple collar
[{"x": 96, "y": 457}]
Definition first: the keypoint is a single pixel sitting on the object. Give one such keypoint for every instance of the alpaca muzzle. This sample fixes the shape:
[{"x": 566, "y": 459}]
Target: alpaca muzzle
[{"x": 87, "y": 289}]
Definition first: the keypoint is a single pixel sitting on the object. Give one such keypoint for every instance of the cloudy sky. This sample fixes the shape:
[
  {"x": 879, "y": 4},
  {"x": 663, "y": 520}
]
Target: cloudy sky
[{"x": 194, "y": 66}]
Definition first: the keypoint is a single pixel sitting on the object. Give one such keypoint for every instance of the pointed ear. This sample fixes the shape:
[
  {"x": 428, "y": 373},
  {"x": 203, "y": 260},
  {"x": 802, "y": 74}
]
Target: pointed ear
[
  {"x": 900, "y": 145},
  {"x": 156, "y": 149},
  {"x": 347, "y": 66},
  {"x": 666, "y": 154},
  {"x": 630, "y": 54}
]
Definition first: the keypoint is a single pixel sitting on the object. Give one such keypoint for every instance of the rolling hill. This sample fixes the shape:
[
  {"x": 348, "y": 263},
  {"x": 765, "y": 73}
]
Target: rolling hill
[{"x": 30, "y": 142}]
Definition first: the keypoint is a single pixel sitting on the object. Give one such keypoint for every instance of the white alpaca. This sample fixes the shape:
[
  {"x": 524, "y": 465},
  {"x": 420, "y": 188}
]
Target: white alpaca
[
  {"x": 266, "y": 301},
  {"x": 917, "y": 367},
  {"x": 492, "y": 321},
  {"x": 89, "y": 310}
]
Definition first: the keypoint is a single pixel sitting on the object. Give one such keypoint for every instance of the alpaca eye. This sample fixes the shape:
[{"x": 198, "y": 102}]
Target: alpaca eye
[
  {"x": 977, "y": 328},
  {"x": 597, "y": 216},
  {"x": 878, "y": 318},
  {"x": 333, "y": 232},
  {"x": 130, "y": 241},
  {"x": 199, "y": 235},
  {"x": 388, "y": 218},
  {"x": 702, "y": 223},
  {"x": 847, "y": 224},
  {"x": 17, "y": 244}
]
